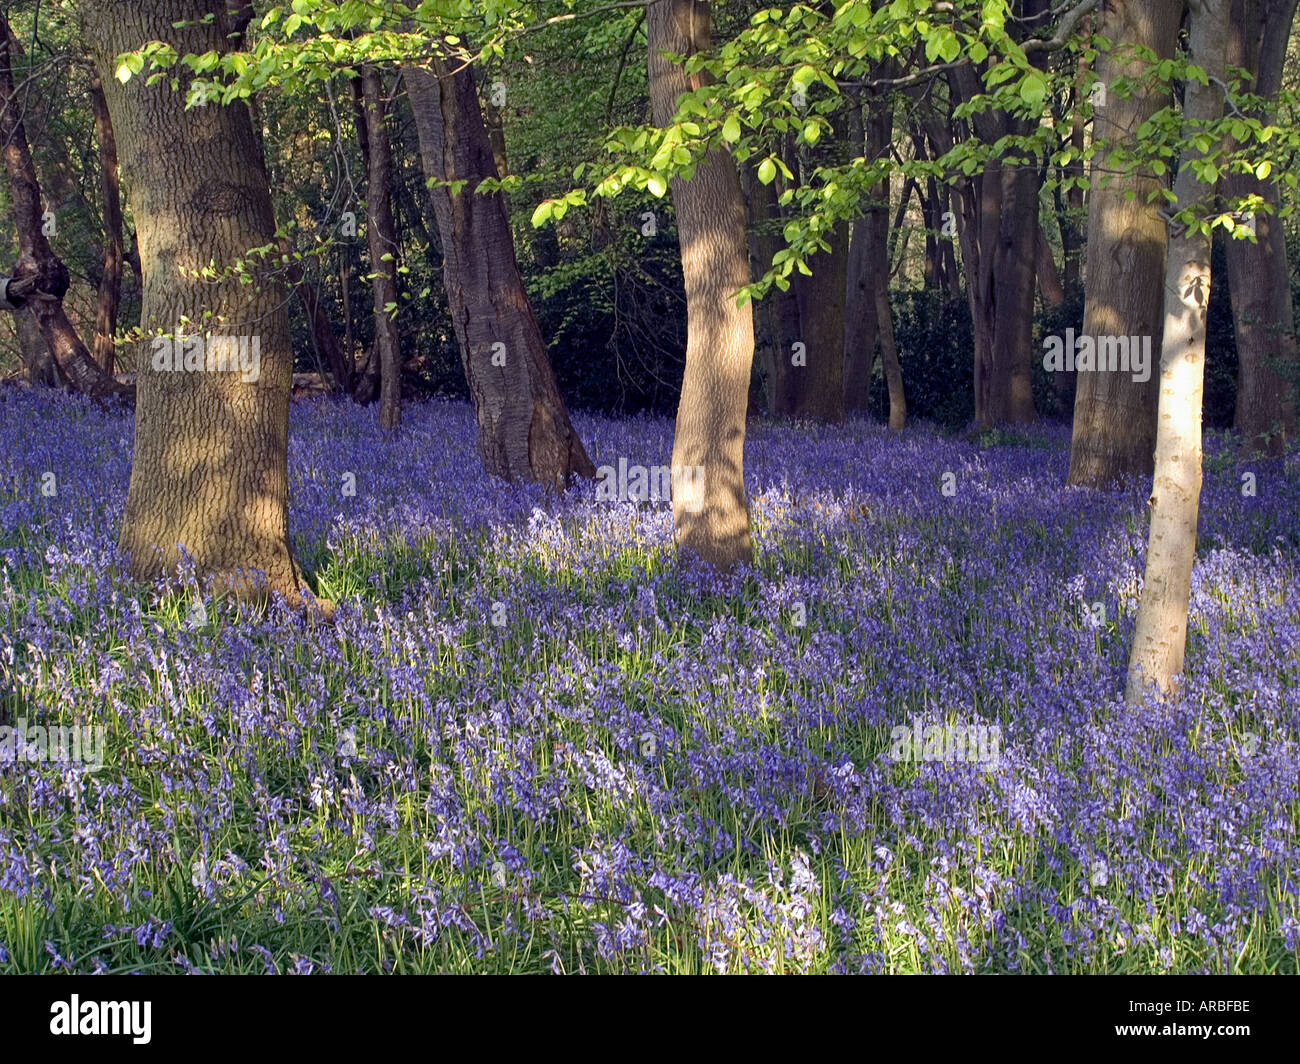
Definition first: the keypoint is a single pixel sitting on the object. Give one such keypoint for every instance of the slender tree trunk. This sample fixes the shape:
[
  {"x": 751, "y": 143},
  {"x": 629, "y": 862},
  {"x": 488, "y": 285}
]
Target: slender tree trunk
[
  {"x": 110, "y": 285},
  {"x": 78, "y": 231},
  {"x": 1258, "y": 275},
  {"x": 324, "y": 341},
  {"x": 1114, "y": 415},
  {"x": 209, "y": 477},
  {"x": 43, "y": 274},
  {"x": 710, "y": 507},
  {"x": 381, "y": 237},
  {"x": 1049, "y": 277},
  {"x": 1160, "y": 638},
  {"x": 889, "y": 355},
  {"x": 524, "y": 428}
]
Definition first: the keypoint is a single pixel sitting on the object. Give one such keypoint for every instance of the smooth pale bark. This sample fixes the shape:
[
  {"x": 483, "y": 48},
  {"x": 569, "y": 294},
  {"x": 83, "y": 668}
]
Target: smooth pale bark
[
  {"x": 1114, "y": 416},
  {"x": 40, "y": 274},
  {"x": 711, "y": 519},
  {"x": 209, "y": 476},
  {"x": 381, "y": 238},
  {"x": 109, "y": 295},
  {"x": 1258, "y": 275},
  {"x": 524, "y": 427},
  {"x": 1160, "y": 637}
]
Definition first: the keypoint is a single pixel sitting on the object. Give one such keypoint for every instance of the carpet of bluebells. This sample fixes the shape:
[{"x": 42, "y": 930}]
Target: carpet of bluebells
[{"x": 530, "y": 742}]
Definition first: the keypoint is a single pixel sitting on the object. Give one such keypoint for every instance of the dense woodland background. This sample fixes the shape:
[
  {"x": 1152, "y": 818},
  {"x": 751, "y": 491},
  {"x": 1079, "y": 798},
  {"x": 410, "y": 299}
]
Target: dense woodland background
[{"x": 608, "y": 297}]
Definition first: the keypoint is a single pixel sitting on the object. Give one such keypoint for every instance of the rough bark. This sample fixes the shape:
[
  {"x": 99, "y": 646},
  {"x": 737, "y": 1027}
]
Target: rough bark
[
  {"x": 1114, "y": 415},
  {"x": 1160, "y": 637},
  {"x": 381, "y": 238},
  {"x": 209, "y": 477},
  {"x": 524, "y": 428},
  {"x": 1258, "y": 274},
  {"x": 712, "y": 521}
]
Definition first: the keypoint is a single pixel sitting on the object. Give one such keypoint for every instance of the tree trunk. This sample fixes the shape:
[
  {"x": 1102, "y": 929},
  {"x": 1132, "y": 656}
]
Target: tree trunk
[
  {"x": 1049, "y": 277},
  {"x": 820, "y": 298},
  {"x": 524, "y": 428},
  {"x": 867, "y": 246},
  {"x": 40, "y": 271},
  {"x": 889, "y": 355},
  {"x": 1160, "y": 637},
  {"x": 1114, "y": 415},
  {"x": 710, "y": 507},
  {"x": 1008, "y": 396},
  {"x": 1258, "y": 276},
  {"x": 324, "y": 342},
  {"x": 209, "y": 478},
  {"x": 381, "y": 238},
  {"x": 110, "y": 285}
]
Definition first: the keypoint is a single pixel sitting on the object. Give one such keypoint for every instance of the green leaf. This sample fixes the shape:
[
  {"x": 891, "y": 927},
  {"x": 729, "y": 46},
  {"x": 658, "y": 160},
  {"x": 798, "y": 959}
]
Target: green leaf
[
  {"x": 731, "y": 129},
  {"x": 767, "y": 171},
  {"x": 543, "y": 213}
]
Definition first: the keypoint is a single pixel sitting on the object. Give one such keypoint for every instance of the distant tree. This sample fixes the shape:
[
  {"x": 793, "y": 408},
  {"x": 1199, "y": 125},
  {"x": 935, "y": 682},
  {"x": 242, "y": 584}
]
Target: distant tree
[
  {"x": 1258, "y": 274},
  {"x": 381, "y": 238},
  {"x": 524, "y": 427}
]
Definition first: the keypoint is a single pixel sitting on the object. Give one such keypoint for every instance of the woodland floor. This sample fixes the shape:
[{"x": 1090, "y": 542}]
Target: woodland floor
[{"x": 529, "y": 742}]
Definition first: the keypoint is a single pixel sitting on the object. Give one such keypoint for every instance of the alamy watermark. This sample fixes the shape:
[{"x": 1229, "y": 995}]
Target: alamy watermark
[
  {"x": 81, "y": 744},
  {"x": 1098, "y": 354},
  {"x": 978, "y": 744},
  {"x": 211, "y": 353},
  {"x": 637, "y": 483}
]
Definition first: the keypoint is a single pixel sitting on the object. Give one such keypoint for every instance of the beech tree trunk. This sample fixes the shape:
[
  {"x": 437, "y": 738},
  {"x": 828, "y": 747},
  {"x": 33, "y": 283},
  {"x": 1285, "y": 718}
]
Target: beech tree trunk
[
  {"x": 1160, "y": 638},
  {"x": 524, "y": 428},
  {"x": 381, "y": 238},
  {"x": 208, "y": 476},
  {"x": 39, "y": 272},
  {"x": 712, "y": 517},
  {"x": 1258, "y": 276},
  {"x": 1114, "y": 415}
]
